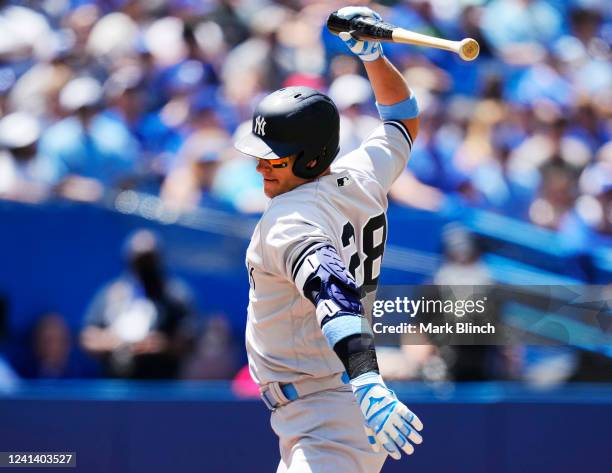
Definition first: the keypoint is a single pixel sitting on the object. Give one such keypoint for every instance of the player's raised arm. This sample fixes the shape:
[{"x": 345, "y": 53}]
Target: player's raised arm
[
  {"x": 394, "y": 99},
  {"x": 388, "y": 147}
]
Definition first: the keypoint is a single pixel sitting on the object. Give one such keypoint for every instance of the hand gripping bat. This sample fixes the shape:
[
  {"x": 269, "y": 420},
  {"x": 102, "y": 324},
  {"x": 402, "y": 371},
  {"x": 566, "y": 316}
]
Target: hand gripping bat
[{"x": 370, "y": 28}]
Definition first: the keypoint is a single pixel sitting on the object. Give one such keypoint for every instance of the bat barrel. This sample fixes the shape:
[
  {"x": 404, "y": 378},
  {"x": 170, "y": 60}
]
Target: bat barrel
[{"x": 469, "y": 49}]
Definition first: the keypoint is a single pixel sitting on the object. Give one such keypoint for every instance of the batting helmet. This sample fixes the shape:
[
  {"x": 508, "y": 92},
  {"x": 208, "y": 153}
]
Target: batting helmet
[{"x": 295, "y": 121}]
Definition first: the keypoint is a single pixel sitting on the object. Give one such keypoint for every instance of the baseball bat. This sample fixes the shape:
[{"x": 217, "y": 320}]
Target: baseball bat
[{"x": 369, "y": 28}]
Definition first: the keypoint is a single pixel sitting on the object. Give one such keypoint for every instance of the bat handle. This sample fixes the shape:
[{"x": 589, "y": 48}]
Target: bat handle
[{"x": 360, "y": 27}]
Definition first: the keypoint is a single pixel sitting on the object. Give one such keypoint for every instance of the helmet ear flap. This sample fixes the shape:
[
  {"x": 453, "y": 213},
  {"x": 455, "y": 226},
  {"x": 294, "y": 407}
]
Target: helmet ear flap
[
  {"x": 301, "y": 169},
  {"x": 324, "y": 158}
]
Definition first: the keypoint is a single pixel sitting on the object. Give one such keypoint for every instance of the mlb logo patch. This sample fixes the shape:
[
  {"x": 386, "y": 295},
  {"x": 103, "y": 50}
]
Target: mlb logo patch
[{"x": 343, "y": 181}]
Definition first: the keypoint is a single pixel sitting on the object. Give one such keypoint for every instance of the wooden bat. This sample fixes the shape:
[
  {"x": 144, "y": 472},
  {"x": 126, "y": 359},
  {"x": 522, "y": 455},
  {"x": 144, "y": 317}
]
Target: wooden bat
[{"x": 370, "y": 28}]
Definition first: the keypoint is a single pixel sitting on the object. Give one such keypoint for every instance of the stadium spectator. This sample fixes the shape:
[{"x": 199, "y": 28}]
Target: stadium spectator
[
  {"x": 463, "y": 273},
  {"x": 88, "y": 149},
  {"x": 53, "y": 352},
  {"x": 141, "y": 325},
  {"x": 556, "y": 196},
  {"x": 24, "y": 173},
  {"x": 190, "y": 183},
  {"x": 352, "y": 95},
  {"x": 589, "y": 225},
  {"x": 505, "y": 188},
  {"x": 462, "y": 264},
  {"x": 126, "y": 97}
]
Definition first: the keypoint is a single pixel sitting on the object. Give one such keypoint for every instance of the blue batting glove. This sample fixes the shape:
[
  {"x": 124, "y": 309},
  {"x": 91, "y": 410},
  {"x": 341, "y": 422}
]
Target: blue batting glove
[
  {"x": 388, "y": 422},
  {"x": 366, "y": 50}
]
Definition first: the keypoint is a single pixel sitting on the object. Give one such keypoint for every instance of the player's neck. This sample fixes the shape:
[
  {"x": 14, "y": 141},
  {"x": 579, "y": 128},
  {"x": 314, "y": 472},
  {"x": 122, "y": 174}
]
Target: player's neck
[
  {"x": 327, "y": 172},
  {"x": 304, "y": 181}
]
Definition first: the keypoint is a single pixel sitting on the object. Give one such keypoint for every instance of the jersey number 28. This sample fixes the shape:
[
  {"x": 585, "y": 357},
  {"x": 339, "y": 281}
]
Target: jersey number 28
[{"x": 373, "y": 238}]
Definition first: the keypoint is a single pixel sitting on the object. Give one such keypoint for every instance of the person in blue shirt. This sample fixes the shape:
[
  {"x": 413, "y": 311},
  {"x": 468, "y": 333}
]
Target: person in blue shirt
[{"x": 89, "y": 143}]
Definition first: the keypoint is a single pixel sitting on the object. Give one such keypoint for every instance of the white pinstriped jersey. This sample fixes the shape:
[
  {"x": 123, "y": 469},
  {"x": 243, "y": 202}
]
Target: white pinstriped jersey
[{"x": 346, "y": 209}]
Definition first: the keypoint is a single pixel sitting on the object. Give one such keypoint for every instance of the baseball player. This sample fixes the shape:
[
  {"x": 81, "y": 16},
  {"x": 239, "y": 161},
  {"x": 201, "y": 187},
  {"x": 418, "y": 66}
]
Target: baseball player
[{"x": 313, "y": 264}]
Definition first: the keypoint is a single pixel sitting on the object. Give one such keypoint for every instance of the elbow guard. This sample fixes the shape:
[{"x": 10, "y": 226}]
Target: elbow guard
[{"x": 323, "y": 279}]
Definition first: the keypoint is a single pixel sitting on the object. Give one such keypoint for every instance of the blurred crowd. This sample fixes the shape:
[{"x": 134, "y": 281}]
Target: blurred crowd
[{"x": 101, "y": 96}]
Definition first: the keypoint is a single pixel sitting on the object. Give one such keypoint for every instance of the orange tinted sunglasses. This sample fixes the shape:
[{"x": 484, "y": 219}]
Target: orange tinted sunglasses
[{"x": 278, "y": 163}]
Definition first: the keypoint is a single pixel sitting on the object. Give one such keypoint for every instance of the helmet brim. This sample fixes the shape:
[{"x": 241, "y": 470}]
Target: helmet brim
[{"x": 254, "y": 145}]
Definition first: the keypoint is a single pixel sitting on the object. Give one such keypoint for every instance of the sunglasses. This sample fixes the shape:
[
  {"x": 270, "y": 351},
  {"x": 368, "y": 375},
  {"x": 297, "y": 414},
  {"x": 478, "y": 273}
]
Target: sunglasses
[{"x": 278, "y": 163}]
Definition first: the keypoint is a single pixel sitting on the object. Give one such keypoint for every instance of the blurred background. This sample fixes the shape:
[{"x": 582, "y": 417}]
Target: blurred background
[{"x": 125, "y": 212}]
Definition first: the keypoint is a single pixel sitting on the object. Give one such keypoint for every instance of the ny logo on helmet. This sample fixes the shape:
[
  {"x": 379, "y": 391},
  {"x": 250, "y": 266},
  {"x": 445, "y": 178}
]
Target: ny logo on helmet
[{"x": 260, "y": 126}]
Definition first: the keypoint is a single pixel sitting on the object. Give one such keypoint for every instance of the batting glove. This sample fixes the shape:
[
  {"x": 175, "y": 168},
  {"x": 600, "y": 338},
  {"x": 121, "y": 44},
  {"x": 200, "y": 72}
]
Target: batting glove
[
  {"x": 366, "y": 50},
  {"x": 388, "y": 422}
]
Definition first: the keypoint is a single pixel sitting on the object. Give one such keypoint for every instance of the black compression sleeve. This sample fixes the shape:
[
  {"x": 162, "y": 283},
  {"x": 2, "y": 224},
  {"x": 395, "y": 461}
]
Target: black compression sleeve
[{"x": 357, "y": 354}]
